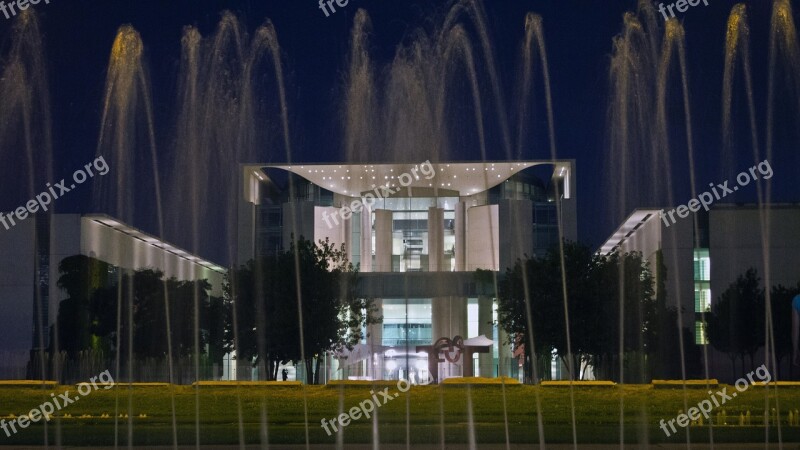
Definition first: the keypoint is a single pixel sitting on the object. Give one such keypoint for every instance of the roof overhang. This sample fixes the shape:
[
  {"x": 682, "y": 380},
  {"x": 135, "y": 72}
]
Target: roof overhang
[
  {"x": 135, "y": 233},
  {"x": 628, "y": 227},
  {"x": 467, "y": 178}
]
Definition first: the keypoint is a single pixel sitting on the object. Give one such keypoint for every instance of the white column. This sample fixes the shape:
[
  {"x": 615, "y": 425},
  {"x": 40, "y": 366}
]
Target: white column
[
  {"x": 374, "y": 341},
  {"x": 366, "y": 239},
  {"x": 435, "y": 239},
  {"x": 503, "y": 353},
  {"x": 347, "y": 238},
  {"x": 449, "y": 319},
  {"x": 383, "y": 240},
  {"x": 461, "y": 233},
  {"x": 485, "y": 360}
]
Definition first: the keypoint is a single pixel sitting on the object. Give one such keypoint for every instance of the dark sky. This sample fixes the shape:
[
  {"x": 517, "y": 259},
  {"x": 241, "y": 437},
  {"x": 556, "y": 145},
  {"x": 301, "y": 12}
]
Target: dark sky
[{"x": 78, "y": 35}]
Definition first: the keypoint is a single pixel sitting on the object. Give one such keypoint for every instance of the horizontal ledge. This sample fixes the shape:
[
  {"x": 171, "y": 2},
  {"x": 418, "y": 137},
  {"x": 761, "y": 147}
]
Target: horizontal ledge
[
  {"x": 578, "y": 383},
  {"x": 247, "y": 383}
]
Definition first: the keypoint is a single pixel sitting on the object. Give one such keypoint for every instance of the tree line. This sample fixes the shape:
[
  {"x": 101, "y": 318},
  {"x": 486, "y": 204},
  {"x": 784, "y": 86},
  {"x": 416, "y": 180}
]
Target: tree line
[
  {"x": 737, "y": 322},
  {"x": 604, "y": 312},
  {"x": 609, "y": 313},
  {"x": 292, "y": 306}
]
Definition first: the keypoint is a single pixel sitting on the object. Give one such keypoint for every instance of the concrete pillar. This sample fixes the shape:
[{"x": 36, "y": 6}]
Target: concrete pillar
[
  {"x": 375, "y": 342},
  {"x": 366, "y": 239},
  {"x": 248, "y": 203},
  {"x": 383, "y": 240},
  {"x": 449, "y": 319},
  {"x": 485, "y": 360},
  {"x": 517, "y": 242},
  {"x": 347, "y": 238},
  {"x": 435, "y": 239},
  {"x": 461, "y": 236},
  {"x": 503, "y": 353}
]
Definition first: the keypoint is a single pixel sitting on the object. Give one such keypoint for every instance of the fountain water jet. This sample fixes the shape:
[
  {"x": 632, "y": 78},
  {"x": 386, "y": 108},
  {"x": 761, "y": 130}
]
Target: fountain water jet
[{"x": 27, "y": 154}]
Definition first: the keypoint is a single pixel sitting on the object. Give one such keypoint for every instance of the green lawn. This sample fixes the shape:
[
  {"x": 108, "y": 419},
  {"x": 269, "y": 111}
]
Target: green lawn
[{"x": 426, "y": 414}]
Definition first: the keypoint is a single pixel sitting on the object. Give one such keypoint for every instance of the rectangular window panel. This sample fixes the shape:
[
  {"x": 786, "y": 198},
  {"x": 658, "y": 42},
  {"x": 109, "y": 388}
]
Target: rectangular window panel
[{"x": 699, "y": 333}]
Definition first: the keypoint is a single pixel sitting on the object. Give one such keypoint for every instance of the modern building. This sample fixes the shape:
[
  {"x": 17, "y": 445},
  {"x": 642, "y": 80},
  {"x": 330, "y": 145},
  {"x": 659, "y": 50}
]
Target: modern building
[
  {"x": 418, "y": 233},
  {"x": 31, "y": 253},
  {"x": 702, "y": 261}
]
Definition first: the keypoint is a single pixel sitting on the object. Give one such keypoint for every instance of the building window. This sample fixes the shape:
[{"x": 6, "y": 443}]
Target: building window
[
  {"x": 702, "y": 292},
  {"x": 270, "y": 229},
  {"x": 702, "y": 297},
  {"x": 702, "y": 265},
  {"x": 406, "y": 323},
  {"x": 700, "y": 333}
]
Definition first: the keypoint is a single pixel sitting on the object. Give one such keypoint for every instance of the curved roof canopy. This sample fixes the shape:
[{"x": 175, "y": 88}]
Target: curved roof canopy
[{"x": 465, "y": 177}]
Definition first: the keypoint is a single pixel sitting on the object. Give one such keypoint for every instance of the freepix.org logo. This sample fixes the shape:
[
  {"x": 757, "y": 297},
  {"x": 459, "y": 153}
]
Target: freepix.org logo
[
  {"x": 382, "y": 191},
  {"x": 719, "y": 398},
  {"x": 45, "y": 198},
  {"x": 705, "y": 199},
  {"x": 10, "y": 10},
  {"x": 680, "y": 5},
  {"x": 367, "y": 407},
  {"x": 47, "y": 409}
]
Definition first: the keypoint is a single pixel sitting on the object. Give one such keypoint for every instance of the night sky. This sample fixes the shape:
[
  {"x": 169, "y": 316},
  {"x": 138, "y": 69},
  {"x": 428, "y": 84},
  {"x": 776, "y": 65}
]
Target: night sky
[{"x": 78, "y": 36}]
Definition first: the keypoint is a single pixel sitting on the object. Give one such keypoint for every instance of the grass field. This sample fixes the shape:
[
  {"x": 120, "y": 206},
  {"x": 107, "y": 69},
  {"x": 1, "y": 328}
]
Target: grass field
[{"x": 426, "y": 414}]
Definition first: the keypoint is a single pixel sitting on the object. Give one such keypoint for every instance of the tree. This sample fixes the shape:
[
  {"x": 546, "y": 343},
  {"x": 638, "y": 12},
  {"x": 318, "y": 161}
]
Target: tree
[
  {"x": 139, "y": 303},
  {"x": 622, "y": 291},
  {"x": 297, "y": 305},
  {"x": 736, "y": 323},
  {"x": 80, "y": 277},
  {"x": 781, "y": 301},
  {"x": 667, "y": 358},
  {"x": 523, "y": 315},
  {"x": 533, "y": 304},
  {"x": 214, "y": 322}
]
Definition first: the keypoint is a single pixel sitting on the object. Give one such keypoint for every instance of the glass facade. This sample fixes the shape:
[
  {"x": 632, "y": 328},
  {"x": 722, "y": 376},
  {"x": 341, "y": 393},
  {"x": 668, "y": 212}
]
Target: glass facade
[
  {"x": 545, "y": 214},
  {"x": 410, "y": 249},
  {"x": 406, "y": 324},
  {"x": 410, "y": 252},
  {"x": 702, "y": 291},
  {"x": 545, "y": 228},
  {"x": 270, "y": 228}
]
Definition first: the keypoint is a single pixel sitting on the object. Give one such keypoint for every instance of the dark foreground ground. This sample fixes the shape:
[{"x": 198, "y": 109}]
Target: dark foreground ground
[
  {"x": 447, "y": 446},
  {"x": 428, "y": 417}
]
